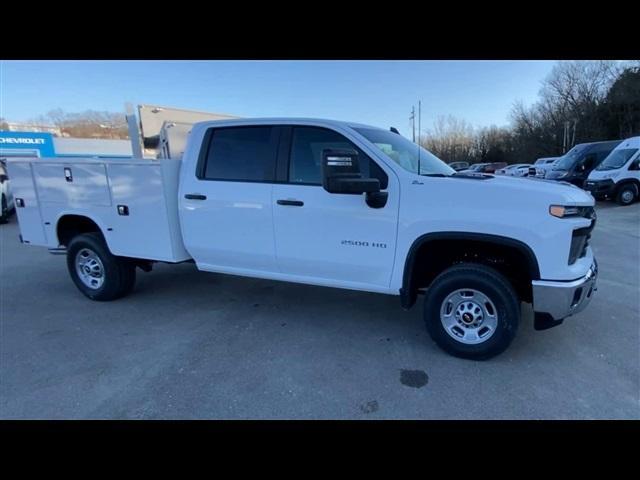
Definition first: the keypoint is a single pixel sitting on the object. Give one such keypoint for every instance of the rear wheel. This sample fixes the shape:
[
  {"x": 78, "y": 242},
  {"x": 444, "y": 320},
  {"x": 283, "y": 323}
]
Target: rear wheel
[
  {"x": 627, "y": 194},
  {"x": 97, "y": 273},
  {"x": 472, "y": 311},
  {"x": 4, "y": 213}
]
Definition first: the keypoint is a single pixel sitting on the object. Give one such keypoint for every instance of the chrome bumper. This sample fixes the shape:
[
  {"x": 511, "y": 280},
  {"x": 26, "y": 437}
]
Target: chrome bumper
[{"x": 562, "y": 299}]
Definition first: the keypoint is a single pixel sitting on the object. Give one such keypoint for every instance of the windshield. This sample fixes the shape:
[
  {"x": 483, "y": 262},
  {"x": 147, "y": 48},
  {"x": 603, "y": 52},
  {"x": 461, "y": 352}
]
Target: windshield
[
  {"x": 617, "y": 159},
  {"x": 477, "y": 167},
  {"x": 405, "y": 152},
  {"x": 568, "y": 159}
]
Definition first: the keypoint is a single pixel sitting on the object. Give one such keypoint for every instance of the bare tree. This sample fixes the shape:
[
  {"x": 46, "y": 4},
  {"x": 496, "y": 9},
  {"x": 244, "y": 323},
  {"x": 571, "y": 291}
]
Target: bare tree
[
  {"x": 87, "y": 124},
  {"x": 451, "y": 139}
]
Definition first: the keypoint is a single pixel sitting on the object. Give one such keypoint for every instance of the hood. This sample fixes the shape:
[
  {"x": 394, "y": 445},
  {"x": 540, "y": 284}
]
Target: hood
[
  {"x": 527, "y": 188},
  {"x": 604, "y": 174},
  {"x": 552, "y": 174}
]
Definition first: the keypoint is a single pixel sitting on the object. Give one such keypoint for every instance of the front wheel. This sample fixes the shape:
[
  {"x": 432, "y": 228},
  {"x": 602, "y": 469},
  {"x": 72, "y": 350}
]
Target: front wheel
[
  {"x": 626, "y": 195},
  {"x": 97, "y": 273},
  {"x": 472, "y": 311}
]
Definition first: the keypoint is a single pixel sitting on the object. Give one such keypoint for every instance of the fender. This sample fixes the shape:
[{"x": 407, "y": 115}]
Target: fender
[
  {"x": 635, "y": 182},
  {"x": 408, "y": 293}
]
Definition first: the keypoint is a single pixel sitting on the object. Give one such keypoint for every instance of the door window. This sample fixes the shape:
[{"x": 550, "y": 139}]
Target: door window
[{"x": 307, "y": 144}]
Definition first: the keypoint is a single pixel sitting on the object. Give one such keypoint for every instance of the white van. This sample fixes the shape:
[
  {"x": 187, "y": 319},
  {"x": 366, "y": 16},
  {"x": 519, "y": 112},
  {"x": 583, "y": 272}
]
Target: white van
[{"x": 618, "y": 176}]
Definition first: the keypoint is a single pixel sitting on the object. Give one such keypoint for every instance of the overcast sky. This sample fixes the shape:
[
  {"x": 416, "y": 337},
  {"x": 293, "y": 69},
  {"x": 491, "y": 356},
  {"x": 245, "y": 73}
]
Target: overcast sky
[{"x": 380, "y": 93}]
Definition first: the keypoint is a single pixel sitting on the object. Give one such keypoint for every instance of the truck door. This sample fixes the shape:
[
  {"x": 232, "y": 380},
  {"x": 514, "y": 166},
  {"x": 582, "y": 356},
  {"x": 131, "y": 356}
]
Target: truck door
[
  {"x": 332, "y": 238},
  {"x": 227, "y": 220}
]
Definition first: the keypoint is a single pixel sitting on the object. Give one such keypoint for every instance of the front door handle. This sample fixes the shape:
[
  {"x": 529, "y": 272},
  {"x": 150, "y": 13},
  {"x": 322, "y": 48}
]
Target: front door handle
[
  {"x": 195, "y": 196},
  {"x": 292, "y": 203}
]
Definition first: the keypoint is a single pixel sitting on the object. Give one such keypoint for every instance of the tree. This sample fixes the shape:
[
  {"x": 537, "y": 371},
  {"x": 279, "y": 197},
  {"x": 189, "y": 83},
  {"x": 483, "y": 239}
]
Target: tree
[
  {"x": 451, "y": 139},
  {"x": 622, "y": 104},
  {"x": 87, "y": 124}
]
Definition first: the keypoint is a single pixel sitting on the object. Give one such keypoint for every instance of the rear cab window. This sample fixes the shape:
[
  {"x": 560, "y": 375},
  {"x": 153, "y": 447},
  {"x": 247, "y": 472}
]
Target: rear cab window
[{"x": 242, "y": 154}]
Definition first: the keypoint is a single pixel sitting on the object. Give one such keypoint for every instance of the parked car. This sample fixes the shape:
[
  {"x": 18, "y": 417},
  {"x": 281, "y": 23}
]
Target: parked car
[
  {"x": 576, "y": 165},
  {"x": 541, "y": 166},
  {"x": 515, "y": 170},
  {"x": 459, "y": 166},
  {"x": 485, "y": 167},
  {"x": 618, "y": 176},
  {"x": 6, "y": 197},
  {"x": 475, "y": 168},
  {"x": 325, "y": 203}
]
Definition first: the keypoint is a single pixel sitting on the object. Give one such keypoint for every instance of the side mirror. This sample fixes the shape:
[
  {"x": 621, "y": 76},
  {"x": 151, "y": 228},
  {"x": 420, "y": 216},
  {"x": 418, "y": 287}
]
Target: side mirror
[
  {"x": 3, "y": 178},
  {"x": 341, "y": 173}
]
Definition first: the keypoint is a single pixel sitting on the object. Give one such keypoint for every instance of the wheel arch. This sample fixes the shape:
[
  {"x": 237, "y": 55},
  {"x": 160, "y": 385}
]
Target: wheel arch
[
  {"x": 409, "y": 290},
  {"x": 69, "y": 225},
  {"x": 627, "y": 181}
]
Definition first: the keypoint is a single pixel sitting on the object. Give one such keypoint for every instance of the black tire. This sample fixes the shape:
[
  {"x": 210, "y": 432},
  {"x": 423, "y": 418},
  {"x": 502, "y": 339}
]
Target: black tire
[
  {"x": 128, "y": 272},
  {"x": 627, "y": 194},
  {"x": 119, "y": 273},
  {"x": 488, "y": 282},
  {"x": 4, "y": 211}
]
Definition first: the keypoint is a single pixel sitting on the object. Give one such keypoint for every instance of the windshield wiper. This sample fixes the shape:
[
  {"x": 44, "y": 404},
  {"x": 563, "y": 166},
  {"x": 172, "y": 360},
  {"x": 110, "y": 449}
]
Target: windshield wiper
[{"x": 433, "y": 175}]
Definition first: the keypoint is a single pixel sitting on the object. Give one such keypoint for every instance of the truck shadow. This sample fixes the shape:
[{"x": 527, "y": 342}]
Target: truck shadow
[{"x": 266, "y": 302}]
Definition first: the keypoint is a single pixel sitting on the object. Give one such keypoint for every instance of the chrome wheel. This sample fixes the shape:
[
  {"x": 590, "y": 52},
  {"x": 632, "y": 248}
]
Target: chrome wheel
[
  {"x": 89, "y": 268},
  {"x": 469, "y": 316}
]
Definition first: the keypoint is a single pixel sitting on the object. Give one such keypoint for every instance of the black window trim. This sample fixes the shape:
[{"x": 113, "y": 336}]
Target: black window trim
[
  {"x": 290, "y": 146},
  {"x": 206, "y": 146}
]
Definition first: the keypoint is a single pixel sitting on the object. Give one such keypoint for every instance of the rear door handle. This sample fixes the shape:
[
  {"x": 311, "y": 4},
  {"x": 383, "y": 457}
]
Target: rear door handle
[
  {"x": 292, "y": 203},
  {"x": 195, "y": 196}
]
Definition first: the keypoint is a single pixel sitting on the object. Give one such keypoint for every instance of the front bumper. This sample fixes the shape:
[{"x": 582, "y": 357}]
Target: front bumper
[
  {"x": 555, "y": 301},
  {"x": 600, "y": 188}
]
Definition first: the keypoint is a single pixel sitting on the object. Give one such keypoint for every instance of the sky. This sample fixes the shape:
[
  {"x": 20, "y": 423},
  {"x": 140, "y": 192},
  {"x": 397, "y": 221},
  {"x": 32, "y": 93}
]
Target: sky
[{"x": 379, "y": 93}]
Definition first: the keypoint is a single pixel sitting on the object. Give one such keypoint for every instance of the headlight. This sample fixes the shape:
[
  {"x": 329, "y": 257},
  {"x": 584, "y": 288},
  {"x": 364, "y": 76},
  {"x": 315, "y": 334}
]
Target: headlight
[{"x": 563, "y": 212}]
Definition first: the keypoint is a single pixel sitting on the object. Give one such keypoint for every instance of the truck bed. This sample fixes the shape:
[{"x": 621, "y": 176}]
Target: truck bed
[{"x": 49, "y": 188}]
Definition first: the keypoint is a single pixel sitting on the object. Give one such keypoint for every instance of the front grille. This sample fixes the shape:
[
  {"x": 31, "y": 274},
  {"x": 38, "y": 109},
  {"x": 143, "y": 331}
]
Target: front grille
[
  {"x": 581, "y": 236},
  {"x": 599, "y": 186}
]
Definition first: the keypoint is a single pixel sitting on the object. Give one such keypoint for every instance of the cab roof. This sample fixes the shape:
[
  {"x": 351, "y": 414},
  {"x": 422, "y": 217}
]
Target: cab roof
[
  {"x": 290, "y": 121},
  {"x": 632, "y": 142}
]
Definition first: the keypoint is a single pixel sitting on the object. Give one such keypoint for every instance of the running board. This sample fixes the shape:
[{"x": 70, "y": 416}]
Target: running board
[{"x": 58, "y": 251}]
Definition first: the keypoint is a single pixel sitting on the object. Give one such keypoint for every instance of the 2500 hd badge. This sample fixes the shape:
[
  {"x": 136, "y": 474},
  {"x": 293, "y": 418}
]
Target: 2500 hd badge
[{"x": 358, "y": 243}]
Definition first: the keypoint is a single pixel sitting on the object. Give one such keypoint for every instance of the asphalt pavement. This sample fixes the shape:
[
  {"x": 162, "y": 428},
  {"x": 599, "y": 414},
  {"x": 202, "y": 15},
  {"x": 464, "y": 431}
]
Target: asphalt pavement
[{"x": 191, "y": 345}]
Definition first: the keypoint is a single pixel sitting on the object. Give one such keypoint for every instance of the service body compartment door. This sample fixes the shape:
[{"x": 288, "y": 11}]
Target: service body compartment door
[
  {"x": 141, "y": 229},
  {"x": 72, "y": 184},
  {"x": 24, "y": 193}
]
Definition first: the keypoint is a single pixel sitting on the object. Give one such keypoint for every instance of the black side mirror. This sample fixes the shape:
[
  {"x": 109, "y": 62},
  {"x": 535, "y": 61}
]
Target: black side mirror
[
  {"x": 3, "y": 178},
  {"x": 341, "y": 173}
]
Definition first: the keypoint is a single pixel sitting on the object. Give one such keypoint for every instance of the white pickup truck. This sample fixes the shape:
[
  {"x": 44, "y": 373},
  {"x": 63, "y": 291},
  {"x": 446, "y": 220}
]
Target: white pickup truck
[{"x": 326, "y": 203}]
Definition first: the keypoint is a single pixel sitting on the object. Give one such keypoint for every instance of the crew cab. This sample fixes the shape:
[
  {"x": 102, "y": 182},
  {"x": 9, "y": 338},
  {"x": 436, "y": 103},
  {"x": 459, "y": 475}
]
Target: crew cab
[
  {"x": 326, "y": 203},
  {"x": 618, "y": 176}
]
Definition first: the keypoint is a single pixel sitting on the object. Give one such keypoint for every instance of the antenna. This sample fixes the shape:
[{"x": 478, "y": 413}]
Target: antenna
[
  {"x": 413, "y": 122},
  {"x": 419, "y": 130}
]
